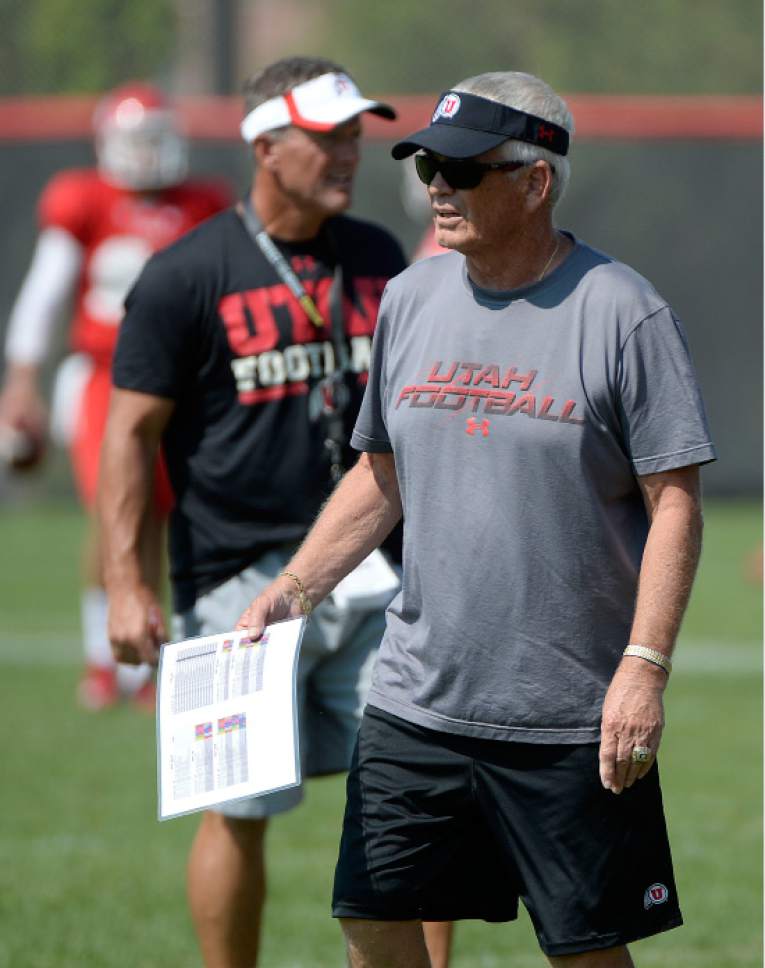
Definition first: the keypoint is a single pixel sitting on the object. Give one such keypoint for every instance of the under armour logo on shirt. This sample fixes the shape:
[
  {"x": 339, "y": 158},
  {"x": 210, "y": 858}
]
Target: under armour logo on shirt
[{"x": 473, "y": 425}]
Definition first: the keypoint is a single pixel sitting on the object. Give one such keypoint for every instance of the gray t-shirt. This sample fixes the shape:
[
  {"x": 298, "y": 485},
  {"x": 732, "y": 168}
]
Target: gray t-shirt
[{"x": 519, "y": 422}]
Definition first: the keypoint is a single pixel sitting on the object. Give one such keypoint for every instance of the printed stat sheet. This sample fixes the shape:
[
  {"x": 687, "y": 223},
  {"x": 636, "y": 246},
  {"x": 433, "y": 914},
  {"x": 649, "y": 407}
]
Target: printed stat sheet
[{"x": 227, "y": 718}]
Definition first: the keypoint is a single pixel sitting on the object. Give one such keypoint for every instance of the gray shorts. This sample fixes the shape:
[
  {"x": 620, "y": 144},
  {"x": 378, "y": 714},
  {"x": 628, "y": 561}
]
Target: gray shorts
[{"x": 334, "y": 674}]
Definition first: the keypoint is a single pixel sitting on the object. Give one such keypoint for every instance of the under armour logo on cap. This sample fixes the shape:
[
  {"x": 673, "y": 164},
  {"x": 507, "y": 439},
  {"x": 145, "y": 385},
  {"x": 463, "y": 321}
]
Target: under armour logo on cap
[{"x": 448, "y": 106}]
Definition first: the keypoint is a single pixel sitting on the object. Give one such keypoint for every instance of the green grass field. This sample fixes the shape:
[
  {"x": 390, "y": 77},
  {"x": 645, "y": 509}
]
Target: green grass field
[{"x": 88, "y": 877}]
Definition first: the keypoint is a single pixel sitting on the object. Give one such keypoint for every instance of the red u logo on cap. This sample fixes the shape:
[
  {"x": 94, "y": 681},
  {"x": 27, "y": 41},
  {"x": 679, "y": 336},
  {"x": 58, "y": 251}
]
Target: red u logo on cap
[{"x": 449, "y": 106}]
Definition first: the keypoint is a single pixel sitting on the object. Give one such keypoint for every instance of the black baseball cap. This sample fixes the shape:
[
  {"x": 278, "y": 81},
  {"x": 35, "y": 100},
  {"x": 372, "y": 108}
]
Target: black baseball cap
[{"x": 464, "y": 125}]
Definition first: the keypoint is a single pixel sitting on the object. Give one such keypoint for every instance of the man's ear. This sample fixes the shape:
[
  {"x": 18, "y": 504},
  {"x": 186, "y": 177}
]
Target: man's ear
[
  {"x": 539, "y": 184},
  {"x": 264, "y": 150}
]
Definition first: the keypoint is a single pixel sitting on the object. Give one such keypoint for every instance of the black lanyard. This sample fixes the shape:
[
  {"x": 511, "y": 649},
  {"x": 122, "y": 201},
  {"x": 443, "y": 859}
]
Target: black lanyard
[
  {"x": 285, "y": 272},
  {"x": 332, "y": 389}
]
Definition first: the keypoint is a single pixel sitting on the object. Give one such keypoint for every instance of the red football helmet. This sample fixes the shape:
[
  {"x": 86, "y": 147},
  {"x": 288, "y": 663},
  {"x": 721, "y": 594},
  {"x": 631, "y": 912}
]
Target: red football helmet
[{"x": 138, "y": 142}]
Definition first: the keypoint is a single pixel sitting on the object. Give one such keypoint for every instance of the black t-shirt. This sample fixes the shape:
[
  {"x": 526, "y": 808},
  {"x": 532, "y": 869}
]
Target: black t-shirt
[{"x": 210, "y": 325}]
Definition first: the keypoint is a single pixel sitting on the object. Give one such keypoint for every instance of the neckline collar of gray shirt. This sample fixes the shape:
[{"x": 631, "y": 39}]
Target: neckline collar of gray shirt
[{"x": 500, "y": 299}]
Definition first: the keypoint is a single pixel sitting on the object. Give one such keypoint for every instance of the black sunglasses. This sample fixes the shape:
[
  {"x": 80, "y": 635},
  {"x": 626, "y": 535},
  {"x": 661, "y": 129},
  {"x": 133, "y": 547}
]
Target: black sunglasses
[{"x": 459, "y": 173}]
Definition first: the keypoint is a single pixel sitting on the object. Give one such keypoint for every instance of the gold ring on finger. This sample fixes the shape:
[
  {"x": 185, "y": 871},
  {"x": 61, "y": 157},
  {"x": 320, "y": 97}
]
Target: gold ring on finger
[{"x": 641, "y": 754}]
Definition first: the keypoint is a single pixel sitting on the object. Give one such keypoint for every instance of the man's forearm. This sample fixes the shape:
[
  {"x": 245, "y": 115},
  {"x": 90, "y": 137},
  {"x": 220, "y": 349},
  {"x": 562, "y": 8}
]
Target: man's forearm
[
  {"x": 667, "y": 571},
  {"x": 124, "y": 493},
  {"x": 21, "y": 402},
  {"x": 22, "y": 374},
  {"x": 362, "y": 511},
  {"x": 633, "y": 713},
  {"x": 133, "y": 432}
]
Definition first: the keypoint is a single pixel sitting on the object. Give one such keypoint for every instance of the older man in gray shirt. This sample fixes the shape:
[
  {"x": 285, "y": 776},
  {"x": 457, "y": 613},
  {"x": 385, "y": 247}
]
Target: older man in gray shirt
[{"x": 533, "y": 411}]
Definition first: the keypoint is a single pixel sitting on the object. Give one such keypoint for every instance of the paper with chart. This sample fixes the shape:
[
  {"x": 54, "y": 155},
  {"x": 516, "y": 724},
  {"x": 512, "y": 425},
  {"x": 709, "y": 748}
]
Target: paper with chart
[{"x": 227, "y": 718}]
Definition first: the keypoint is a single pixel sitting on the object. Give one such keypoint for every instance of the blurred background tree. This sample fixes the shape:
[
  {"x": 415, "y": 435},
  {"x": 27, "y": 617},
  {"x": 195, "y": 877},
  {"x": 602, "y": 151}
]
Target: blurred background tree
[
  {"x": 203, "y": 46},
  {"x": 605, "y": 46},
  {"x": 73, "y": 46},
  {"x": 79, "y": 46}
]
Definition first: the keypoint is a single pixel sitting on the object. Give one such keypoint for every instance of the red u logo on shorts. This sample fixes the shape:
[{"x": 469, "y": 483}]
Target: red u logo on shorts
[{"x": 656, "y": 894}]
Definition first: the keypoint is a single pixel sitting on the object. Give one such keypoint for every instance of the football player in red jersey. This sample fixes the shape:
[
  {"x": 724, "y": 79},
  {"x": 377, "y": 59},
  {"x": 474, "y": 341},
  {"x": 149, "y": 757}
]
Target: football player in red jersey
[{"x": 98, "y": 226}]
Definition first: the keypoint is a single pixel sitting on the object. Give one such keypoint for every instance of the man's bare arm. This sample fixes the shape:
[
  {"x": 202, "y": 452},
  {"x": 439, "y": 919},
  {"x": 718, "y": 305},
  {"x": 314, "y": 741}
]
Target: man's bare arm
[
  {"x": 21, "y": 402},
  {"x": 633, "y": 709},
  {"x": 133, "y": 433},
  {"x": 671, "y": 556},
  {"x": 362, "y": 511}
]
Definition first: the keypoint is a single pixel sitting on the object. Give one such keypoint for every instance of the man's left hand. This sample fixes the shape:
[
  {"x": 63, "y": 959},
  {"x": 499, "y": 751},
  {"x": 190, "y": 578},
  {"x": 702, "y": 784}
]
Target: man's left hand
[{"x": 633, "y": 716}]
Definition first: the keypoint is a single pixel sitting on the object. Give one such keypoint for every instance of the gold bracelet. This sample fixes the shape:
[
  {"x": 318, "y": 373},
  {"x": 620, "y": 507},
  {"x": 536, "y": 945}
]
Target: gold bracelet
[
  {"x": 650, "y": 655},
  {"x": 305, "y": 602}
]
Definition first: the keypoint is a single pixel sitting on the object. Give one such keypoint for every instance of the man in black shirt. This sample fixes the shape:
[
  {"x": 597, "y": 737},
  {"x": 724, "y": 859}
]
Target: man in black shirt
[{"x": 244, "y": 353}]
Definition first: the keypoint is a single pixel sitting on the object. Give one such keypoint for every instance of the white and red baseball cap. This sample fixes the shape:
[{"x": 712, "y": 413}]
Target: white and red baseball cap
[{"x": 316, "y": 105}]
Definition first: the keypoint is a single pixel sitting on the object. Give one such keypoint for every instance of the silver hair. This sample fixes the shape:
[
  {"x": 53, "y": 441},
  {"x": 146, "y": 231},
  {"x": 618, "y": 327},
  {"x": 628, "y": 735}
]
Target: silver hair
[{"x": 524, "y": 92}]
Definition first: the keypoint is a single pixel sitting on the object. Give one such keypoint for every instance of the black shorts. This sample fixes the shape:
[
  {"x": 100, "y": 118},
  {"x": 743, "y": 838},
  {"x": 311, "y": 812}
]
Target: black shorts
[{"x": 442, "y": 827}]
